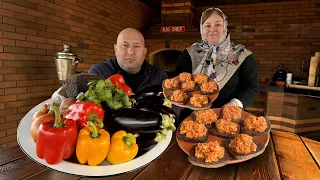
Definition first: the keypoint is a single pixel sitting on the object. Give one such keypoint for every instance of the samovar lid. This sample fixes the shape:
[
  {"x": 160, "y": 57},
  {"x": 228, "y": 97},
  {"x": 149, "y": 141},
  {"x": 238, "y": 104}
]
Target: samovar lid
[{"x": 66, "y": 53}]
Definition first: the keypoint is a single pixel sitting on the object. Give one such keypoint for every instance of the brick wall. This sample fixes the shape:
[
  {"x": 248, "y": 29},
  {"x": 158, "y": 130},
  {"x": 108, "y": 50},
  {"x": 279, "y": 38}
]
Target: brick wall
[
  {"x": 258, "y": 107},
  {"x": 176, "y": 11},
  {"x": 277, "y": 32},
  {"x": 294, "y": 113},
  {"x": 32, "y": 31}
]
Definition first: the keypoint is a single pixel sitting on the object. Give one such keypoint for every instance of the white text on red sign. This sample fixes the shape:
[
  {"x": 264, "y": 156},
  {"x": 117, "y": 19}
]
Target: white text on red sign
[{"x": 172, "y": 29}]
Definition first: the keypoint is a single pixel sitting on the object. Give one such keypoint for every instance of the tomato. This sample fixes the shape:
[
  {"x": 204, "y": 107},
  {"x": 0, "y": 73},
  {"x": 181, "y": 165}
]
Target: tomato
[
  {"x": 125, "y": 88},
  {"x": 117, "y": 78}
]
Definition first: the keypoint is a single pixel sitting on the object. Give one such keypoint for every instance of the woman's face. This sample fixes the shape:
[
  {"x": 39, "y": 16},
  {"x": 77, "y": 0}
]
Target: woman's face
[{"x": 213, "y": 28}]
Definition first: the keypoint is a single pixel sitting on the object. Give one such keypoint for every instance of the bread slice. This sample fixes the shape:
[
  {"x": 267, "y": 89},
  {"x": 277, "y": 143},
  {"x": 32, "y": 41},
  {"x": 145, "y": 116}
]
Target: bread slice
[
  {"x": 172, "y": 89},
  {"x": 195, "y": 140},
  {"x": 206, "y": 106},
  {"x": 214, "y": 131},
  {"x": 194, "y": 117},
  {"x": 180, "y": 81},
  {"x": 200, "y": 162},
  {"x": 209, "y": 93},
  {"x": 190, "y": 90},
  {"x": 208, "y": 79},
  {"x": 79, "y": 83},
  {"x": 260, "y": 149},
  {"x": 182, "y": 102},
  {"x": 256, "y": 133},
  {"x": 238, "y": 121}
]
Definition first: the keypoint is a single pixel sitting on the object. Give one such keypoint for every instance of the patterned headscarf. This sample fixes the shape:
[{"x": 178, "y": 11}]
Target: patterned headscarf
[{"x": 219, "y": 61}]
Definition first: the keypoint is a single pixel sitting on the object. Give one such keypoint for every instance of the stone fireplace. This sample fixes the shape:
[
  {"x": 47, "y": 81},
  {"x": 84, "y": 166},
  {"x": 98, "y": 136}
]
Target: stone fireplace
[
  {"x": 164, "y": 48},
  {"x": 166, "y": 60}
]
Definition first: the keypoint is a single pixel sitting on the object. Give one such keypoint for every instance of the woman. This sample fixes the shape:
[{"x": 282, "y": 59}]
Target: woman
[{"x": 231, "y": 65}]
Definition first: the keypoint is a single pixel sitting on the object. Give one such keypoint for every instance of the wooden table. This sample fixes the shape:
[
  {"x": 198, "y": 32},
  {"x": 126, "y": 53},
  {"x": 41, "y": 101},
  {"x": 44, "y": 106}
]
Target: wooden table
[{"x": 287, "y": 156}]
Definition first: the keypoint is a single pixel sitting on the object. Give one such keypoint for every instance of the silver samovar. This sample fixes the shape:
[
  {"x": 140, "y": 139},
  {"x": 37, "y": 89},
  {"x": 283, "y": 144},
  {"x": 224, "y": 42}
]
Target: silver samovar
[{"x": 66, "y": 63}]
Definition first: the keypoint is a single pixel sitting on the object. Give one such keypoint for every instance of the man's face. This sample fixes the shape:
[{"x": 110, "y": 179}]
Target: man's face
[{"x": 130, "y": 51}]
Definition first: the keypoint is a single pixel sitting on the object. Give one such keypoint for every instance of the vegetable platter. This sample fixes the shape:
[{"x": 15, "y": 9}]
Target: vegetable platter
[
  {"x": 104, "y": 131},
  {"x": 104, "y": 169}
]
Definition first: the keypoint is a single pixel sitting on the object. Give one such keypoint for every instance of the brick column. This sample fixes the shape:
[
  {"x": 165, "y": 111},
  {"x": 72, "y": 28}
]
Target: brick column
[{"x": 174, "y": 11}]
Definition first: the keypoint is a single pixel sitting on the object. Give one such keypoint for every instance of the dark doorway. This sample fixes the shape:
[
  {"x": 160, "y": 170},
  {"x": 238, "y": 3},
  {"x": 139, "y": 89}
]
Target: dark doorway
[{"x": 166, "y": 60}]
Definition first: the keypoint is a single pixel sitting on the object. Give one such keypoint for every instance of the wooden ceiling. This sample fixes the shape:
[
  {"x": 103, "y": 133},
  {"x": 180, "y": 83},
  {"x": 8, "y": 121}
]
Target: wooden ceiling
[
  {"x": 156, "y": 4},
  {"x": 232, "y": 2}
]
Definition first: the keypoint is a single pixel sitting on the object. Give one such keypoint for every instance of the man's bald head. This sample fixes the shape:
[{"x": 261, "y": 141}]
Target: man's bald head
[
  {"x": 130, "y": 32},
  {"x": 130, "y": 50}
]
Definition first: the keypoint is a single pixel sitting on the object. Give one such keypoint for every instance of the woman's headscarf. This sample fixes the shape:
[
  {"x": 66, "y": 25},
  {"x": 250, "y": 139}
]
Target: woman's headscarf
[{"x": 219, "y": 61}]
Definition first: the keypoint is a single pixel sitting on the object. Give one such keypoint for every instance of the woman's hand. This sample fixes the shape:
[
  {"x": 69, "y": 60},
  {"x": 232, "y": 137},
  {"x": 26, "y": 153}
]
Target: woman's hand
[
  {"x": 234, "y": 102},
  {"x": 229, "y": 104}
]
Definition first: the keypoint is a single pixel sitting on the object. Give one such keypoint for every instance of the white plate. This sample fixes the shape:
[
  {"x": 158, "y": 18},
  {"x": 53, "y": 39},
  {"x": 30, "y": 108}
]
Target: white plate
[{"x": 29, "y": 147}]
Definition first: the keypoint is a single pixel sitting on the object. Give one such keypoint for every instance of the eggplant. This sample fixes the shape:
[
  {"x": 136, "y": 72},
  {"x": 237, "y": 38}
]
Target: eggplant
[
  {"x": 152, "y": 90},
  {"x": 141, "y": 122},
  {"x": 146, "y": 141},
  {"x": 168, "y": 111},
  {"x": 138, "y": 121},
  {"x": 152, "y": 125},
  {"x": 154, "y": 100},
  {"x": 158, "y": 108},
  {"x": 153, "y": 93}
]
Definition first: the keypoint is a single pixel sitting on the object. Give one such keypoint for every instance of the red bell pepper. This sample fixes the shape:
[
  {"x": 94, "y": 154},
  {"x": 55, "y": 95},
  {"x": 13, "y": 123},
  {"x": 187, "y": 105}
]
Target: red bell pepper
[
  {"x": 82, "y": 112},
  {"x": 117, "y": 79},
  {"x": 126, "y": 89},
  {"x": 57, "y": 138}
]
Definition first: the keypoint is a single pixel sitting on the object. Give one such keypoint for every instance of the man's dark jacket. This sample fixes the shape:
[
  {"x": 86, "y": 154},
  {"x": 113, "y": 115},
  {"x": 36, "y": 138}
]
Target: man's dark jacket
[{"x": 153, "y": 75}]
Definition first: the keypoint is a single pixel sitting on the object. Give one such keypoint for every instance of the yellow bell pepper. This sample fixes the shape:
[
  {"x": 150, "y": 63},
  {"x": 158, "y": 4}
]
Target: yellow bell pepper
[
  {"x": 123, "y": 147},
  {"x": 92, "y": 144}
]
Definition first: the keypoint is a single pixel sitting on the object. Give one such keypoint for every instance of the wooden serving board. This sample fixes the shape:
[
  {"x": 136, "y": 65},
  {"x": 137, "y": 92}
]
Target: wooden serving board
[
  {"x": 167, "y": 93},
  {"x": 188, "y": 146}
]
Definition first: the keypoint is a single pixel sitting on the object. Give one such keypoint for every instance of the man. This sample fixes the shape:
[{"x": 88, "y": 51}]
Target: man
[{"x": 130, "y": 62}]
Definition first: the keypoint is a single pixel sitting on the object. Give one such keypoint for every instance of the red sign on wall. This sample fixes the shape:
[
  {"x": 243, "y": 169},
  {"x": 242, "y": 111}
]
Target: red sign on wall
[{"x": 172, "y": 29}]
